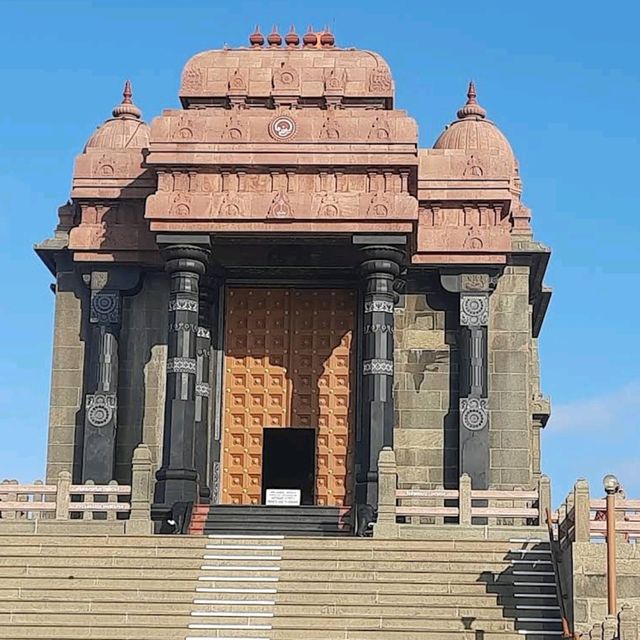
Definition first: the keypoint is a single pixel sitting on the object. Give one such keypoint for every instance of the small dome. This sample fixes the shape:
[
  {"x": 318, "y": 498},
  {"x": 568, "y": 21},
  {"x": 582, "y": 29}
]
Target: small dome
[
  {"x": 125, "y": 130},
  {"x": 473, "y": 132}
]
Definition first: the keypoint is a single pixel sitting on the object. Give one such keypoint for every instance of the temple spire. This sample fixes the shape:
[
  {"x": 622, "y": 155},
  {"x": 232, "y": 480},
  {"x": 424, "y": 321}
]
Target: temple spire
[
  {"x": 471, "y": 108},
  {"x": 127, "y": 93},
  {"x": 126, "y": 109}
]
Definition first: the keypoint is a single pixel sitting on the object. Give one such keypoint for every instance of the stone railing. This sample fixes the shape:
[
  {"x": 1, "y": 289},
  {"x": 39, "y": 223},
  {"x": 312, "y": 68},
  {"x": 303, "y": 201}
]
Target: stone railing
[
  {"x": 41, "y": 505},
  {"x": 582, "y": 519},
  {"x": 581, "y": 525},
  {"x": 462, "y": 506},
  {"x": 625, "y": 627}
]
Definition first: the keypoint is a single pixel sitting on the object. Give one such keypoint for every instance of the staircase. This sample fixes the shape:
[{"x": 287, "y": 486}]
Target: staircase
[
  {"x": 70, "y": 587},
  {"x": 273, "y": 587},
  {"x": 280, "y": 588},
  {"x": 269, "y": 520}
]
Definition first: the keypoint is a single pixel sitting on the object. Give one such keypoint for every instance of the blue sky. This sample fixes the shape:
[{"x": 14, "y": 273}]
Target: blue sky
[{"x": 560, "y": 78}]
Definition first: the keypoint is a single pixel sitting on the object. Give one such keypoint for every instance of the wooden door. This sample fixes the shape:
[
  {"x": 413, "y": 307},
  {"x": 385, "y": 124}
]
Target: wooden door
[{"x": 288, "y": 356}]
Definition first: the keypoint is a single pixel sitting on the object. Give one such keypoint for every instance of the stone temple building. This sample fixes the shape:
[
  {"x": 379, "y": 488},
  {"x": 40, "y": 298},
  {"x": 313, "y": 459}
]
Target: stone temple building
[
  {"x": 289, "y": 334},
  {"x": 273, "y": 282}
]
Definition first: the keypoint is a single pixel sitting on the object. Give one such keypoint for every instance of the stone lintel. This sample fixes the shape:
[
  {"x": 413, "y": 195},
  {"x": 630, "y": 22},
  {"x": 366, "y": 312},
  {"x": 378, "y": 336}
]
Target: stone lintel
[
  {"x": 197, "y": 239},
  {"x": 386, "y": 239}
]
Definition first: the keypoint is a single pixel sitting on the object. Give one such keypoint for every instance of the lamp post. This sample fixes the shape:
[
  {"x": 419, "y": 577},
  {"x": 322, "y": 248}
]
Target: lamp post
[{"x": 611, "y": 486}]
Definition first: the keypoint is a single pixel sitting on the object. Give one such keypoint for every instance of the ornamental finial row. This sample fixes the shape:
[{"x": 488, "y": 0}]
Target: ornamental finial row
[{"x": 311, "y": 40}]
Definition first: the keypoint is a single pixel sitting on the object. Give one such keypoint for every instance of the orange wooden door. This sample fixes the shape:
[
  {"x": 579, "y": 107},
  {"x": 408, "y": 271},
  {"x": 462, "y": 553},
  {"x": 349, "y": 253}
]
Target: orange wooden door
[{"x": 288, "y": 355}]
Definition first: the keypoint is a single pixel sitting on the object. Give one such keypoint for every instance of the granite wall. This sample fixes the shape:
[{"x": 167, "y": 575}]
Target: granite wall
[{"x": 67, "y": 373}]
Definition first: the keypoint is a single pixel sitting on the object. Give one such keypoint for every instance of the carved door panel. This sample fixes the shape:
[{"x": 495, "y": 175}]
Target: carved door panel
[
  {"x": 321, "y": 346},
  {"x": 287, "y": 364}
]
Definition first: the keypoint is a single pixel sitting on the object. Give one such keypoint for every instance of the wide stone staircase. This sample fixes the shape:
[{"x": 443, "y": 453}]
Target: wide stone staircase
[{"x": 276, "y": 588}]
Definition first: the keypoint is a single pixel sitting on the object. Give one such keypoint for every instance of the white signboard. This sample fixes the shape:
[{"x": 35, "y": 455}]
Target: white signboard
[{"x": 283, "y": 497}]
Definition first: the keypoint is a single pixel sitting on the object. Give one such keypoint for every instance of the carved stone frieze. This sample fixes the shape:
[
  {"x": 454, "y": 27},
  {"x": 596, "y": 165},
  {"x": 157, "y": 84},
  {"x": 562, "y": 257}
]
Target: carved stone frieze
[
  {"x": 464, "y": 229},
  {"x": 261, "y": 127},
  {"x": 282, "y": 204},
  {"x": 305, "y": 71}
]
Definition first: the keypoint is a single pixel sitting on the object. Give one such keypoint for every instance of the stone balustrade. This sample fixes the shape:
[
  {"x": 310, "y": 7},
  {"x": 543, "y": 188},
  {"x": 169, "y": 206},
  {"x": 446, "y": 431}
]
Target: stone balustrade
[
  {"x": 464, "y": 506},
  {"x": 626, "y": 626},
  {"x": 40, "y": 506}
]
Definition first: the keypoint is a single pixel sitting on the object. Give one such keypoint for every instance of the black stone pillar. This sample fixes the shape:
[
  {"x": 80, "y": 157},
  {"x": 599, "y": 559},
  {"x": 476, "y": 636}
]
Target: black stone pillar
[
  {"x": 177, "y": 478},
  {"x": 474, "y": 291},
  {"x": 207, "y": 312},
  {"x": 380, "y": 266},
  {"x": 101, "y": 399}
]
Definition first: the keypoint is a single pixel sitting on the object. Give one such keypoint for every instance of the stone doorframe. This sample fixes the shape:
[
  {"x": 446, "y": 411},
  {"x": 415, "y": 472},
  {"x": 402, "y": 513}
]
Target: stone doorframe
[{"x": 188, "y": 258}]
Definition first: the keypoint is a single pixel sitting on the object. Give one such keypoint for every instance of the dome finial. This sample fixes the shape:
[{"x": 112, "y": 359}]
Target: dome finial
[
  {"x": 471, "y": 93},
  {"x": 274, "y": 38},
  {"x": 292, "y": 39},
  {"x": 256, "y": 39},
  {"x": 126, "y": 109},
  {"x": 471, "y": 108},
  {"x": 127, "y": 93}
]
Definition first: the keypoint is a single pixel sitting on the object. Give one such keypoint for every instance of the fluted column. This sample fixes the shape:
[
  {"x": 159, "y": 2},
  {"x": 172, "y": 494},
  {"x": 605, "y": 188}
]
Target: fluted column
[
  {"x": 177, "y": 477},
  {"x": 380, "y": 266},
  {"x": 203, "y": 384}
]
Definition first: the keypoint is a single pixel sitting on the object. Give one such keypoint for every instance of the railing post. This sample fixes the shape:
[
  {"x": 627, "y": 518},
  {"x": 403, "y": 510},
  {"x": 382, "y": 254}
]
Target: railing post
[
  {"x": 386, "y": 526},
  {"x": 464, "y": 499},
  {"x": 139, "y": 522},
  {"x": 582, "y": 511},
  {"x": 610, "y": 628},
  {"x": 562, "y": 522},
  {"x": 62, "y": 495},
  {"x": 38, "y": 497},
  {"x": 112, "y": 498},
  {"x": 9, "y": 514},
  {"x": 628, "y": 623},
  {"x": 544, "y": 498},
  {"x": 595, "y": 633}
]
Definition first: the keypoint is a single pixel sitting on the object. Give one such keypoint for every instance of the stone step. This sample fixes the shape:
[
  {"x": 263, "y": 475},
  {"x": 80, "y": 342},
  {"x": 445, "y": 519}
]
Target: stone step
[
  {"x": 123, "y": 572},
  {"x": 418, "y": 566},
  {"x": 409, "y": 546},
  {"x": 503, "y": 556},
  {"x": 93, "y": 541},
  {"x": 333, "y": 622},
  {"x": 253, "y": 606},
  {"x": 71, "y": 551},
  {"x": 180, "y": 632},
  {"x": 411, "y": 598},
  {"x": 126, "y": 584},
  {"x": 96, "y": 605},
  {"x": 101, "y": 563},
  {"x": 123, "y": 584},
  {"x": 407, "y": 597},
  {"x": 373, "y": 544},
  {"x": 299, "y": 633}
]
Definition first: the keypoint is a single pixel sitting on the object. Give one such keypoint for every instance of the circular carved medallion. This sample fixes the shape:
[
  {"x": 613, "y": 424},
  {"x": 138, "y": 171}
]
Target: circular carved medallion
[
  {"x": 100, "y": 409},
  {"x": 474, "y": 413},
  {"x": 282, "y": 128}
]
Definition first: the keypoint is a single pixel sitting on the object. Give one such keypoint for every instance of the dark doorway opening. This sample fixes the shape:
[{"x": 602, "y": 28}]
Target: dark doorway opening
[{"x": 289, "y": 461}]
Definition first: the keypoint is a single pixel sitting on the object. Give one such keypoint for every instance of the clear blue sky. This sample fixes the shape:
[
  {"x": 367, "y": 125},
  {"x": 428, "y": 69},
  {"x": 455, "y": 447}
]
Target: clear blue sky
[{"x": 560, "y": 78}]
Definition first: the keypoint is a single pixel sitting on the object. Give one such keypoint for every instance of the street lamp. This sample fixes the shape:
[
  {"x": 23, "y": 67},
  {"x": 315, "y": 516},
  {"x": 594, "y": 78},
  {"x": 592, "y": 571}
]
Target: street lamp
[
  {"x": 611, "y": 487},
  {"x": 611, "y": 484}
]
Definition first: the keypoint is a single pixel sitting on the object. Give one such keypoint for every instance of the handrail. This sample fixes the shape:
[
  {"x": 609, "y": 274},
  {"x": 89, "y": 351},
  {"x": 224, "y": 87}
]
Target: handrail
[{"x": 555, "y": 559}]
